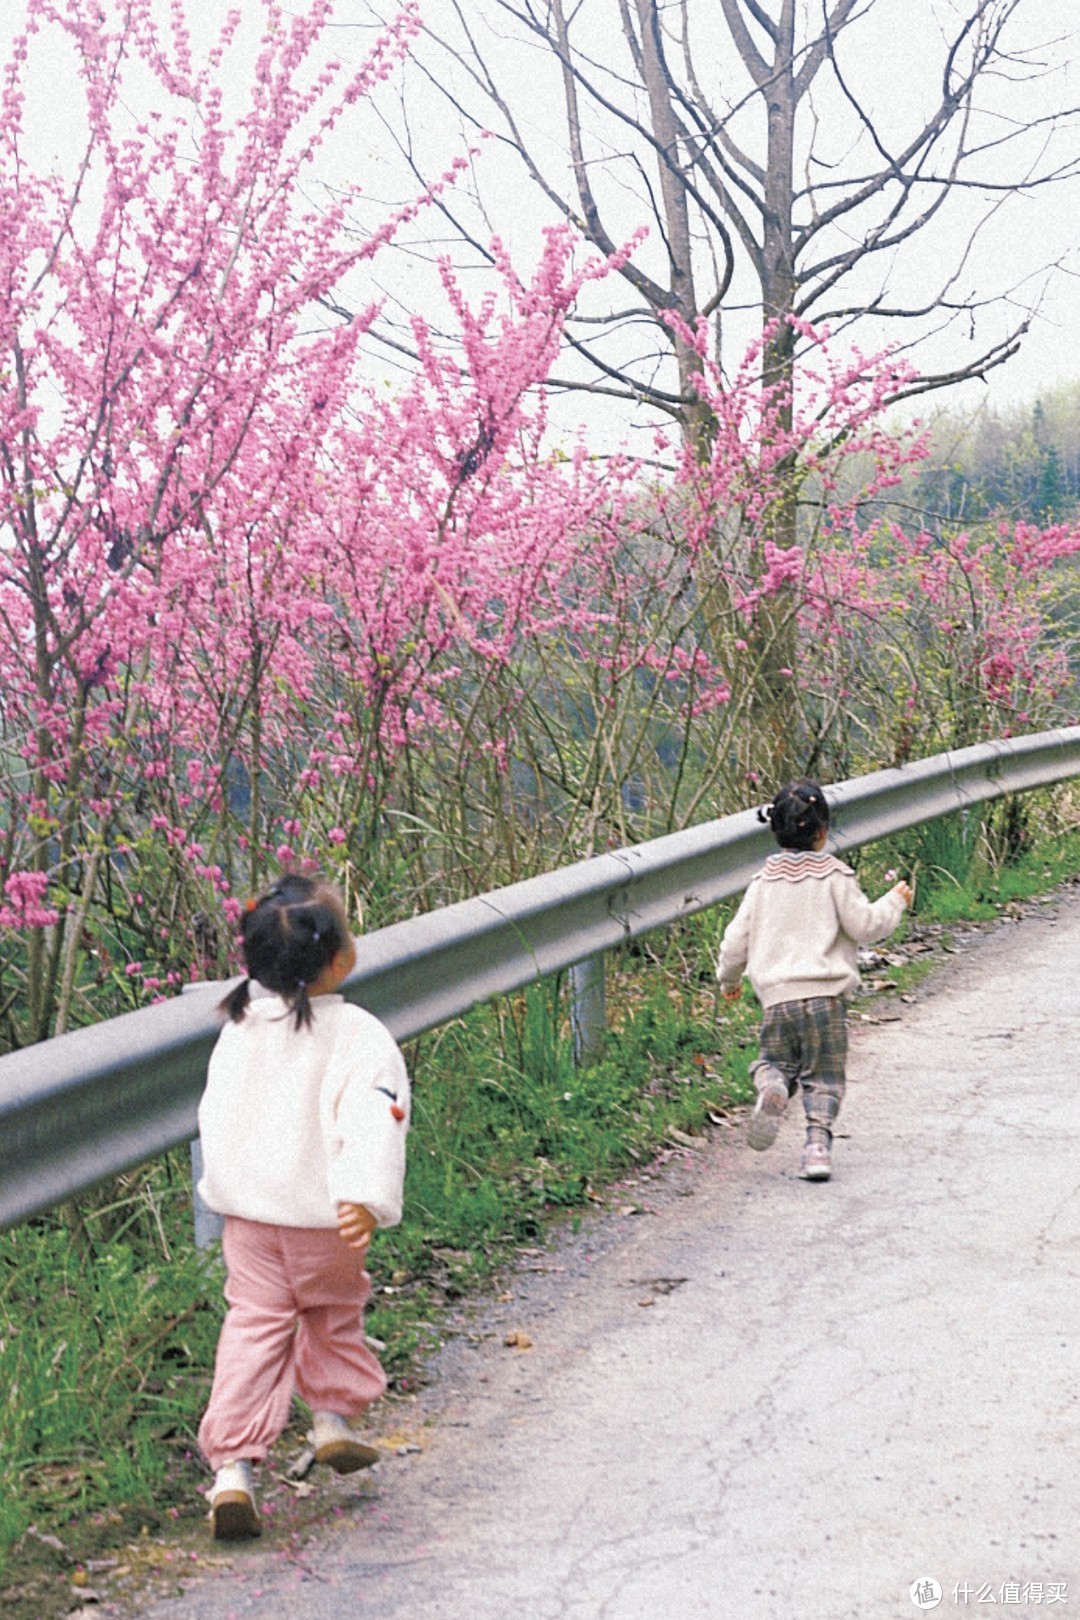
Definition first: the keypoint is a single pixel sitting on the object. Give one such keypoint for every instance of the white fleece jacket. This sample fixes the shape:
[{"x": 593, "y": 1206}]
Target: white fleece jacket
[
  {"x": 292, "y": 1121},
  {"x": 796, "y": 931}
]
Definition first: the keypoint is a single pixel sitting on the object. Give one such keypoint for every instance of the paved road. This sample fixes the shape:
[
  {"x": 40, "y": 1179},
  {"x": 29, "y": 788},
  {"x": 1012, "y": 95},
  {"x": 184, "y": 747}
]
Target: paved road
[{"x": 836, "y": 1391}]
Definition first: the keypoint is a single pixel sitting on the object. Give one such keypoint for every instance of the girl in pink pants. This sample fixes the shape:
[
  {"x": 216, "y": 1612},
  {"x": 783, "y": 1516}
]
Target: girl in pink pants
[
  {"x": 303, "y": 1125},
  {"x": 296, "y": 1299}
]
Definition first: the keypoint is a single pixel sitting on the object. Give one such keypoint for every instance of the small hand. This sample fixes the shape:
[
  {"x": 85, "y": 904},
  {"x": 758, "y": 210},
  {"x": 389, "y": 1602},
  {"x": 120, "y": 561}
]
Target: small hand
[
  {"x": 732, "y": 992},
  {"x": 355, "y": 1225},
  {"x": 906, "y": 892}
]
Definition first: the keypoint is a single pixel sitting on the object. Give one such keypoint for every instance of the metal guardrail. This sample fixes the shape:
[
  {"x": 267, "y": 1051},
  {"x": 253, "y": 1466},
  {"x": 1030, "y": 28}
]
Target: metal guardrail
[{"x": 96, "y": 1101}]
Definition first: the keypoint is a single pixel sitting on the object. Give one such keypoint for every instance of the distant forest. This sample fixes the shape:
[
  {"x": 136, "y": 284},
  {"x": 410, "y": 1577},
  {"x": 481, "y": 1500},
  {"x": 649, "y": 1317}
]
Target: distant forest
[{"x": 1022, "y": 463}]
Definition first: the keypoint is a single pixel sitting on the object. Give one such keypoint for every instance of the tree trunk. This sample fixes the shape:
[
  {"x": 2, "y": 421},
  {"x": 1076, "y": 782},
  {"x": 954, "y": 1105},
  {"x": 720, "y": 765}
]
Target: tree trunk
[
  {"x": 696, "y": 419},
  {"x": 776, "y": 701}
]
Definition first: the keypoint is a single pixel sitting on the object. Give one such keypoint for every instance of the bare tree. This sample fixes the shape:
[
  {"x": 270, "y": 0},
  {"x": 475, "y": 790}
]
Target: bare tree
[
  {"x": 849, "y": 163},
  {"x": 793, "y": 157}
]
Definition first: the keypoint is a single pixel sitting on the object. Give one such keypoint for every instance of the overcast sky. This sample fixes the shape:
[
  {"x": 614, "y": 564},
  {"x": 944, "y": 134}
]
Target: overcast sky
[{"x": 1037, "y": 229}]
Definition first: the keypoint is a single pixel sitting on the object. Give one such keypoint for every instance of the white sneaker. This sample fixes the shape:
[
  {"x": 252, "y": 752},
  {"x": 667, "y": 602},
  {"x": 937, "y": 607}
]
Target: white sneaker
[
  {"x": 335, "y": 1444},
  {"x": 233, "y": 1515}
]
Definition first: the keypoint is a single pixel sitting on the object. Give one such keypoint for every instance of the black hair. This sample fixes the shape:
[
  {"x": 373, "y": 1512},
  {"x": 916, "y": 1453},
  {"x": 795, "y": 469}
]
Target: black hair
[
  {"x": 289, "y": 935},
  {"x": 797, "y": 815}
]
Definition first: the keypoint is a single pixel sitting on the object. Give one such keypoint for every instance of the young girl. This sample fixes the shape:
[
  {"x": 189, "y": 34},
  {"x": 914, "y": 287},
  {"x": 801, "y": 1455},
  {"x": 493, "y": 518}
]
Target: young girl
[
  {"x": 303, "y": 1125},
  {"x": 795, "y": 934}
]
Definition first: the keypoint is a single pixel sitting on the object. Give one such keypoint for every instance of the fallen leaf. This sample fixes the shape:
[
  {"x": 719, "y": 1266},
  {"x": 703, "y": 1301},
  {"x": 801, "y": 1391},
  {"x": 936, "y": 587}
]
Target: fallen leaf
[
  {"x": 48, "y": 1541},
  {"x": 403, "y": 1440},
  {"x": 683, "y": 1138}
]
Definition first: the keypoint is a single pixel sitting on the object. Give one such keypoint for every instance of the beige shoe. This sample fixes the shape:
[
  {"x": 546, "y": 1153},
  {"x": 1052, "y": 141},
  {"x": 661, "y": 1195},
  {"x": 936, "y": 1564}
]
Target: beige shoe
[
  {"x": 233, "y": 1515},
  {"x": 816, "y": 1163},
  {"x": 772, "y": 1100},
  {"x": 335, "y": 1444}
]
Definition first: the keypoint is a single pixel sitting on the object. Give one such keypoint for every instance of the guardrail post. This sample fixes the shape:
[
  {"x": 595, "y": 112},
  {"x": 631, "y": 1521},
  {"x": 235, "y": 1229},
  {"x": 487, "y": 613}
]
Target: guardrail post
[
  {"x": 208, "y": 1225},
  {"x": 588, "y": 1015}
]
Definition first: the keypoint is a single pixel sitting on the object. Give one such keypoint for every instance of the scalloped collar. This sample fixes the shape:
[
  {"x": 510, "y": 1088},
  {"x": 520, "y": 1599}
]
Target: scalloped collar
[{"x": 792, "y": 865}]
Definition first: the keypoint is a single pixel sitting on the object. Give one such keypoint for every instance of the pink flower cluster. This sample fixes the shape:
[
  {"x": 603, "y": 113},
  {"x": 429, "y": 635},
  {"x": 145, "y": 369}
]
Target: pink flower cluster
[{"x": 24, "y": 903}]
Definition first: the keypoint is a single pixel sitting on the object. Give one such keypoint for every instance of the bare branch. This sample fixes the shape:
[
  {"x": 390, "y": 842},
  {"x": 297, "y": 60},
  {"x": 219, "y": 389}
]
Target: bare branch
[
  {"x": 715, "y": 143},
  {"x": 835, "y": 22},
  {"x": 753, "y": 61}
]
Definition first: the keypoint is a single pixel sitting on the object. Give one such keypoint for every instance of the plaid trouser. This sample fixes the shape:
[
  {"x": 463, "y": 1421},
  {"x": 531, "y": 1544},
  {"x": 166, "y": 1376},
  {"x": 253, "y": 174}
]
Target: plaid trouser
[{"x": 806, "y": 1041}]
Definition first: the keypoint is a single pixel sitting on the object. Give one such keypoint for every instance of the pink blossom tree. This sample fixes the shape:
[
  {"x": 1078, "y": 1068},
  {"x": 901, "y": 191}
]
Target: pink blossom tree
[
  {"x": 231, "y": 579},
  {"x": 151, "y": 310},
  {"x": 900, "y": 642}
]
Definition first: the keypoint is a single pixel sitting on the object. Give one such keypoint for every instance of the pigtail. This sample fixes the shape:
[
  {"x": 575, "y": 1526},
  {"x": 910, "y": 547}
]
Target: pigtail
[
  {"x": 235, "y": 1004},
  {"x": 301, "y": 1006},
  {"x": 765, "y": 815}
]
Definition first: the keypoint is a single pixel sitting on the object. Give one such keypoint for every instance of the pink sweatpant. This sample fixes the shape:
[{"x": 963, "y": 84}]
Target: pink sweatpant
[{"x": 295, "y": 1322}]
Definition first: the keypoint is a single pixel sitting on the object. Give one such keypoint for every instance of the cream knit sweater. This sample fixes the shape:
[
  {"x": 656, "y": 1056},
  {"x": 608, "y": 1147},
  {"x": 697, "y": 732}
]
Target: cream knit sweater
[
  {"x": 292, "y": 1121},
  {"x": 796, "y": 931}
]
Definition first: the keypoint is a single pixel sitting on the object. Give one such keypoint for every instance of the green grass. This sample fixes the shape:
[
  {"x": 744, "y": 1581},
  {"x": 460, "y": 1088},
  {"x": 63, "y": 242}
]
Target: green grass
[
  {"x": 104, "y": 1347},
  {"x": 109, "y": 1318}
]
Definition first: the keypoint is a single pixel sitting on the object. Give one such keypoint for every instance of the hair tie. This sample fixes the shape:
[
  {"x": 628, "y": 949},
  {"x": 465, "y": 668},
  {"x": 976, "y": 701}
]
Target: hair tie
[
  {"x": 251, "y": 905},
  {"x": 302, "y": 984},
  {"x": 315, "y": 936}
]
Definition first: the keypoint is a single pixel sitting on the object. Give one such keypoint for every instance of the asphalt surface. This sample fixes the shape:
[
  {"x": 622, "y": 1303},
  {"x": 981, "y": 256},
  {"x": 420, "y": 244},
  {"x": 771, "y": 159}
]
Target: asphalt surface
[{"x": 766, "y": 1399}]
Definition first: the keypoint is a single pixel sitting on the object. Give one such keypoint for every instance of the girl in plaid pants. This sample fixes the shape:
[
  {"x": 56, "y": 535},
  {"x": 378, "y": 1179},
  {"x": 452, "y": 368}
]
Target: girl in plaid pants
[{"x": 795, "y": 936}]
